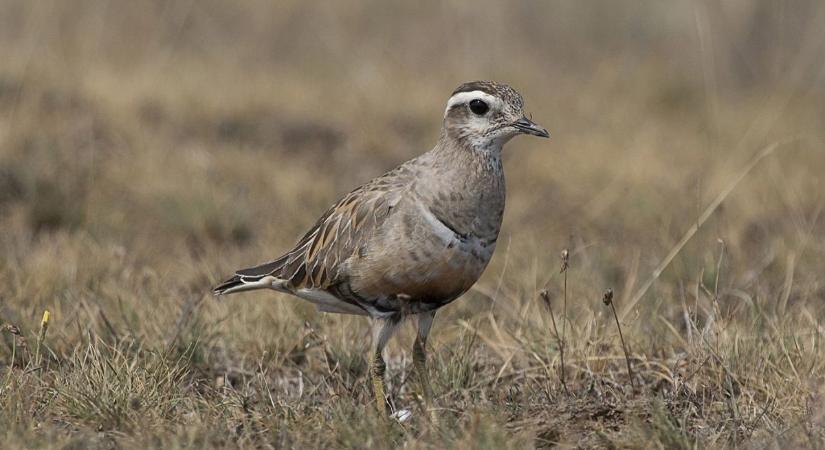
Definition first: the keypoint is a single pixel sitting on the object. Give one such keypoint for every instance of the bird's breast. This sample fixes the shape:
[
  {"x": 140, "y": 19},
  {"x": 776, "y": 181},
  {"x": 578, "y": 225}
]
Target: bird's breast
[{"x": 424, "y": 258}]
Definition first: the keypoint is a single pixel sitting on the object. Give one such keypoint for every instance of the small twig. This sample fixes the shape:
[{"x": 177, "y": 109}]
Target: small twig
[
  {"x": 608, "y": 300},
  {"x": 545, "y": 296},
  {"x": 718, "y": 269},
  {"x": 565, "y": 264},
  {"x": 15, "y": 333},
  {"x": 565, "y": 259}
]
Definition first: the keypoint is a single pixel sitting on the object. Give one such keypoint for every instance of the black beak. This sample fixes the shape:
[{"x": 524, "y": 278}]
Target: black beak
[{"x": 527, "y": 126}]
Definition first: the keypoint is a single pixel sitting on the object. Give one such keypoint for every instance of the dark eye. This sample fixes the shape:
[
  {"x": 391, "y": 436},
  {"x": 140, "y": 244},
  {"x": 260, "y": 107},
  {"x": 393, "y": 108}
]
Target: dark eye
[{"x": 478, "y": 107}]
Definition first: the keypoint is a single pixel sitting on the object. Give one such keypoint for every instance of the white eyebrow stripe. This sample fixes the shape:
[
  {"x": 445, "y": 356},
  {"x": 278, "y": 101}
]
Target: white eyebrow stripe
[{"x": 464, "y": 97}]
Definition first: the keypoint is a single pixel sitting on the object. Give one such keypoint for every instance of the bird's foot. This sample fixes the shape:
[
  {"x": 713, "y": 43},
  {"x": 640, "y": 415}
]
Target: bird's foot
[{"x": 402, "y": 415}]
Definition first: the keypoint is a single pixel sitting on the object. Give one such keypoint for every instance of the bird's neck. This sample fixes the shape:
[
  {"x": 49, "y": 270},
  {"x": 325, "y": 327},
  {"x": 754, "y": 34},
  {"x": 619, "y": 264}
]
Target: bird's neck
[
  {"x": 464, "y": 153},
  {"x": 467, "y": 183}
]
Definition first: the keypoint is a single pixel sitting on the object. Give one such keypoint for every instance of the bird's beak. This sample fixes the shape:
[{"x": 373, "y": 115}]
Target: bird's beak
[{"x": 527, "y": 126}]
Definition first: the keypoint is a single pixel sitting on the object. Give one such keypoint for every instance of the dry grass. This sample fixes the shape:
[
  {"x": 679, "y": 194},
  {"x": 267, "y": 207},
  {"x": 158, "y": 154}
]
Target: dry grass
[{"x": 149, "y": 148}]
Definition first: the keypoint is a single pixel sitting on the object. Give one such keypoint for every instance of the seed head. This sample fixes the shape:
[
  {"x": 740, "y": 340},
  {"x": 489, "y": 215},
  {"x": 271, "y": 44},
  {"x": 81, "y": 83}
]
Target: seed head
[
  {"x": 565, "y": 259},
  {"x": 12, "y": 329},
  {"x": 608, "y": 297}
]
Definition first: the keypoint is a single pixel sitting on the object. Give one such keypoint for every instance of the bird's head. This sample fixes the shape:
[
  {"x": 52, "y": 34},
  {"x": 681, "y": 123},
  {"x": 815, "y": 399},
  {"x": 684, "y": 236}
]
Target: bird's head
[{"x": 485, "y": 114}]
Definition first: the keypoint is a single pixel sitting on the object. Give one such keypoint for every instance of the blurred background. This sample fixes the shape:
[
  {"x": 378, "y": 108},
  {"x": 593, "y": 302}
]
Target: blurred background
[{"x": 149, "y": 148}]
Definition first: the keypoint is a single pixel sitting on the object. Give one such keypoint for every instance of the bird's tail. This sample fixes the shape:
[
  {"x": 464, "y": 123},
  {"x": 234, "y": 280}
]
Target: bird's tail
[
  {"x": 228, "y": 286},
  {"x": 264, "y": 276},
  {"x": 240, "y": 283}
]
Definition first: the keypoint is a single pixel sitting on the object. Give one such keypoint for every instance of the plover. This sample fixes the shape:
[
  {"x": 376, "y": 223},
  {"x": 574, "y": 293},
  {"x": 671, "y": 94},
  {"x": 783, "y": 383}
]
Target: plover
[{"x": 414, "y": 239}]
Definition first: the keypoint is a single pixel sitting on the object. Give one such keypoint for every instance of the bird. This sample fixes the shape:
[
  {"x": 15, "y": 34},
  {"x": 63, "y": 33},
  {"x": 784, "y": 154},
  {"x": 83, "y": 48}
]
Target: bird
[{"x": 412, "y": 240}]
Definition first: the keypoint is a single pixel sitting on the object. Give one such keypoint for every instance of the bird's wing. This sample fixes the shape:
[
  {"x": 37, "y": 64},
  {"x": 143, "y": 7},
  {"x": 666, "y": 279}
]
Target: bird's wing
[{"x": 315, "y": 261}]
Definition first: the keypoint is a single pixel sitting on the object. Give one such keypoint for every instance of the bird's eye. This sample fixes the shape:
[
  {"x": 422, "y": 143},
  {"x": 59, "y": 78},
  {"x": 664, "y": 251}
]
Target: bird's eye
[{"x": 478, "y": 107}]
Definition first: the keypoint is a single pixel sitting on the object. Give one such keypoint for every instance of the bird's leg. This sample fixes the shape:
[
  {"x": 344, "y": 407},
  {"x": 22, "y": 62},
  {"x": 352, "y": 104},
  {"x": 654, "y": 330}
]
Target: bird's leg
[
  {"x": 425, "y": 321},
  {"x": 377, "y": 370},
  {"x": 382, "y": 331}
]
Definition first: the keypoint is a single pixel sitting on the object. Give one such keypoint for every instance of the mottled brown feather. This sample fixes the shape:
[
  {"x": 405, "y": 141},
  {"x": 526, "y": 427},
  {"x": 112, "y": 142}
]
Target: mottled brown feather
[{"x": 336, "y": 236}]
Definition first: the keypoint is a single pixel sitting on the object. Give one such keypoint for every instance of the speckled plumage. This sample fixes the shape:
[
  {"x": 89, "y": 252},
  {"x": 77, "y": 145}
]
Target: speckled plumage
[{"x": 415, "y": 238}]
